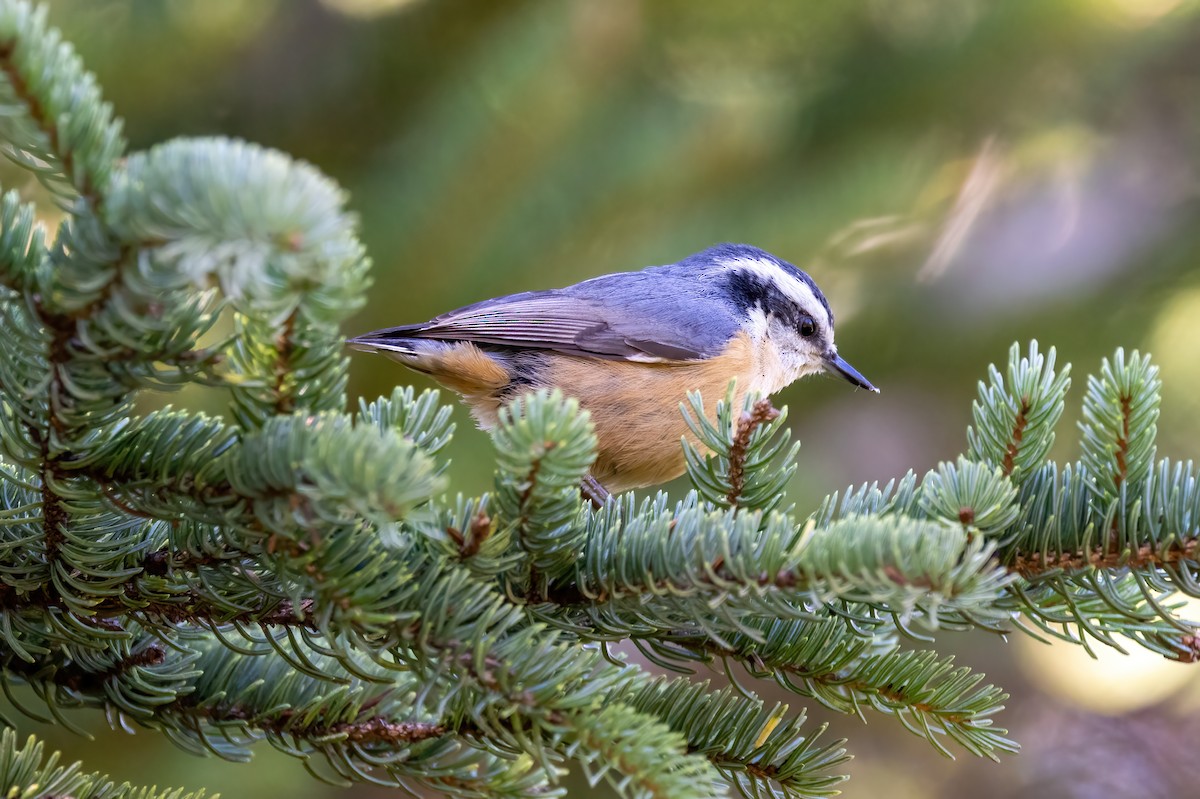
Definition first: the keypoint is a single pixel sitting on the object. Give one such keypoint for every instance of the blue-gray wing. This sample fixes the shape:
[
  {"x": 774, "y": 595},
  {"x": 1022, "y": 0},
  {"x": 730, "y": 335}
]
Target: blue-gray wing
[{"x": 640, "y": 316}]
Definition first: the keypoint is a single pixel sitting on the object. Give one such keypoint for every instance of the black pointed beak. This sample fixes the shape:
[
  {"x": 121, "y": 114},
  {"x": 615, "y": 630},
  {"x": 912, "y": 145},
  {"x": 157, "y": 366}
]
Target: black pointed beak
[{"x": 837, "y": 364}]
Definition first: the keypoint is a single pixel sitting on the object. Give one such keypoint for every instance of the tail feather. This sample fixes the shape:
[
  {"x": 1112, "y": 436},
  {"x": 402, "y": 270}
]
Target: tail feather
[
  {"x": 478, "y": 376},
  {"x": 375, "y": 342},
  {"x": 422, "y": 355}
]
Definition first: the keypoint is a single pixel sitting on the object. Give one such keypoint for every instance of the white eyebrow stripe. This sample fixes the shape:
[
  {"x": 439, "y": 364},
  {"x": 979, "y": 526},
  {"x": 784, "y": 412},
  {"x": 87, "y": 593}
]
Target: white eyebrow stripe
[{"x": 796, "y": 290}]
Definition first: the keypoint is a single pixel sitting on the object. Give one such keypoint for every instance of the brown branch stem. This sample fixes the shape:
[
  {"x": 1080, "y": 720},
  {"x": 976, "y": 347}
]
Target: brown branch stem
[
  {"x": 54, "y": 512},
  {"x": 188, "y": 608},
  {"x": 285, "y": 345},
  {"x": 762, "y": 413},
  {"x": 1122, "y": 453},
  {"x": 1017, "y": 436},
  {"x": 1034, "y": 564},
  {"x": 717, "y": 579}
]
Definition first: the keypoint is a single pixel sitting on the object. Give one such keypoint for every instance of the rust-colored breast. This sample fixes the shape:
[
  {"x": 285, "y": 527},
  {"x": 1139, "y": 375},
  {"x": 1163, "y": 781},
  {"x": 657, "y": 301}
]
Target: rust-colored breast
[{"x": 635, "y": 408}]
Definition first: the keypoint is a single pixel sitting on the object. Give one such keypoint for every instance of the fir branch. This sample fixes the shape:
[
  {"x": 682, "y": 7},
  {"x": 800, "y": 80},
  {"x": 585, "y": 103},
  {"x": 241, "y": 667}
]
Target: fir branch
[
  {"x": 179, "y": 607},
  {"x": 1013, "y": 447},
  {"x": 322, "y": 466},
  {"x": 1100, "y": 607},
  {"x": 765, "y": 748},
  {"x": 39, "y": 116},
  {"x": 229, "y": 701},
  {"x": 629, "y": 766},
  {"x": 55, "y": 516},
  {"x": 750, "y": 462},
  {"x": 979, "y": 497},
  {"x": 422, "y": 419},
  {"x": 285, "y": 345},
  {"x": 760, "y": 413},
  {"x": 1035, "y": 564},
  {"x": 754, "y": 747},
  {"x": 74, "y": 678},
  {"x": 1120, "y": 410},
  {"x": 73, "y": 133},
  {"x": 545, "y": 445},
  {"x": 894, "y": 498},
  {"x": 1122, "y": 444},
  {"x": 1015, "y": 415},
  {"x": 474, "y": 535},
  {"x": 196, "y": 609},
  {"x": 22, "y": 243},
  {"x": 370, "y": 731},
  {"x": 1103, "y": 570},
  {"x": 687, "y": 558},
  {"x": 846, "y": 672},
  {"x": 1191, "y": 649},
  {"x": 27, "y": 771},
  {"x": 382, "y": 731},
  {"x": 477, "y": 532},
  {"x": 296, "y": 576}
]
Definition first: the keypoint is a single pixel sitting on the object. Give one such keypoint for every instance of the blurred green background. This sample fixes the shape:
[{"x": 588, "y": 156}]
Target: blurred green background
[{"x": 956, "y": 175}]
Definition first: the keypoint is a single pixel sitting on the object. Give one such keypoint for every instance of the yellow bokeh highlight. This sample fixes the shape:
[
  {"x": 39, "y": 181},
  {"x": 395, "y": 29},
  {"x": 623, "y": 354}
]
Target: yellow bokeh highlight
[
  {"x": 365, "y": 9},
  {"x": 1173, "y": 342},
  {"x": 1137, "y": 12},
  {"x": 1110, "y": 683},
  {"x": 220, "y": 20}
]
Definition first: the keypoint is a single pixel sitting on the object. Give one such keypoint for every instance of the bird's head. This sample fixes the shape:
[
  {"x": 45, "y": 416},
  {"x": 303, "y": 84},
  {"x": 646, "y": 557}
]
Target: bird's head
[{"x": 782, "y": 307}]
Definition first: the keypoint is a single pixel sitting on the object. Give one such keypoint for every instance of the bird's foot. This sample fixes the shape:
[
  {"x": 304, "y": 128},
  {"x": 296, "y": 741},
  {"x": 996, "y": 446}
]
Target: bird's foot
[{"x": 594, "y": 492}]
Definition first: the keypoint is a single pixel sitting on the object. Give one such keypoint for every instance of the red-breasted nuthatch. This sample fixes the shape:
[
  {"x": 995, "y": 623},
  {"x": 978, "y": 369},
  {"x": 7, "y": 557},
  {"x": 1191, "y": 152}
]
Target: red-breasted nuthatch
[{"x": 630, "y": 346}]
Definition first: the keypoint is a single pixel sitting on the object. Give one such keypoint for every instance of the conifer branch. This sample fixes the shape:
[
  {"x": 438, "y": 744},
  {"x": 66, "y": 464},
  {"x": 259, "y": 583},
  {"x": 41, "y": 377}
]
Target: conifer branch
[
  {"x": 371, "y": 731},
  {"x": 1013, "y": 447},
  {"x": 67, "y": 133},
  {"x": 1036, "y": 564},
  {"x": 1121, "y": 455},
  {"x": 750, "y": 461},
  {"x": 1014, "y": 418},
  {"x": 22, "y": 245},
  {"x": 847, "y": 672},
  {"x": 178, "y": 607},
  {"x": 1120, "y": 410},
  {"x": 546, "y": 446},
  {"x": 285, "y": 344},
  {"x": 1102, "y": 607},
  {"x": 26, "y": 771},
  {"x": 50, "y": 470},
  {"x": 760, "y": 413}
]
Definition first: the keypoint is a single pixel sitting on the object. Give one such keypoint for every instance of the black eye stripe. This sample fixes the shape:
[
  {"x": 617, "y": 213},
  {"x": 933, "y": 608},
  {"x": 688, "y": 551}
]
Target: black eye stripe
[{"x": 748, "y": 291}]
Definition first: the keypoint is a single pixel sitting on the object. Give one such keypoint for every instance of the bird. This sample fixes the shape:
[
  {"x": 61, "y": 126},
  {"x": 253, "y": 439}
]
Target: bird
[{"x": 630, "y": 346}]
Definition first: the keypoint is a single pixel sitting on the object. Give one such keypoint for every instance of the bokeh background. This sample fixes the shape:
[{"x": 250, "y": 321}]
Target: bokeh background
[{"x": 956, "y": 175}]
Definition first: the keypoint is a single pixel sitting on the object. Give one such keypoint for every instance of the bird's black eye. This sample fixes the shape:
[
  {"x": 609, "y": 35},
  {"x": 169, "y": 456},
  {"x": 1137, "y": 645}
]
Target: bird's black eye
[{"x": 808, "y": 328}]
